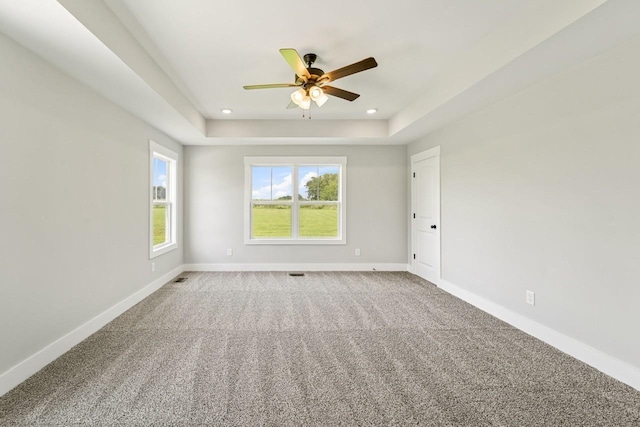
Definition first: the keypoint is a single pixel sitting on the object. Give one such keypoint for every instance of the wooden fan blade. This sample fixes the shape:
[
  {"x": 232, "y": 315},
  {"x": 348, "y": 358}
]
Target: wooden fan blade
[
  {"x": 365, "y": 64},
  {"x": 340, "y": 93},
  {"x": 292, "y": 105},
  {"x": 271, "y": 86},
  {"x": 295, "y": 62}
]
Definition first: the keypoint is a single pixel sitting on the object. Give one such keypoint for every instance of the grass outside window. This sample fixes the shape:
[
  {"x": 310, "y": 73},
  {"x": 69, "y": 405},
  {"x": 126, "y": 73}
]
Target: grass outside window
[
  {"x": 159, "y": 224},
  {"x": 271, "y": 221},
  {"x": 274, "y": 221},
  {"x": 318, "y": 221}
]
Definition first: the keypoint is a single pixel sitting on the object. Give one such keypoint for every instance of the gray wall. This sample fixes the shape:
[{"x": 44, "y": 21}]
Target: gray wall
[
  {"x": 376, "y": 206},
  {"x": 541, "y": 192},
  {"x": 74, "y": 170}
]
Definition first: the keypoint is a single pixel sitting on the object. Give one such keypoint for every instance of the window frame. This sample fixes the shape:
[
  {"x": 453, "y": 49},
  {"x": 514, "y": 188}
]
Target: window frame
[
  {"x": 160, "y": 152},
  {"x": 295, "y": 162}
]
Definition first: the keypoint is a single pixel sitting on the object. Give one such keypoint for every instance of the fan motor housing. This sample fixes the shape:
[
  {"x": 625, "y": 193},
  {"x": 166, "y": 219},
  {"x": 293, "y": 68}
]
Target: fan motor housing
[{"x": 315, "y": 75}]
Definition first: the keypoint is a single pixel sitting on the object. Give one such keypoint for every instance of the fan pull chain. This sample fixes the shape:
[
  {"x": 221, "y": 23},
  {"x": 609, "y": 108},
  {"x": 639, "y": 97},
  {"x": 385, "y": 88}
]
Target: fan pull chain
[{"x": 307, "y": 110}]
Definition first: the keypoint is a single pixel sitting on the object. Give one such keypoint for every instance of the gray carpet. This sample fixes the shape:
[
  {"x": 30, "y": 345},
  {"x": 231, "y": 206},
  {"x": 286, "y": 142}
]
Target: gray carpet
[{"x": 325, "y": 349}]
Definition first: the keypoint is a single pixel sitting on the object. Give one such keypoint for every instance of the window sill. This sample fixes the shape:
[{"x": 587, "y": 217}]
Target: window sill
[
  {"x": 295, "y": 242},
  {"x": 162, "y": 250}
]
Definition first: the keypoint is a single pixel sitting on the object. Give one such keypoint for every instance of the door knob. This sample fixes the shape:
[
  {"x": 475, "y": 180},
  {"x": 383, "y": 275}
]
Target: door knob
[{"x": 433, "y": 226}]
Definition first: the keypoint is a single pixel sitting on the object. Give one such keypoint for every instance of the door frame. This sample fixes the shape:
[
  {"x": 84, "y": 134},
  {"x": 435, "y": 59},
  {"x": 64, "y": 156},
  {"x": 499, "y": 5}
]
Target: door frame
[{"x": 423, "y": 155}]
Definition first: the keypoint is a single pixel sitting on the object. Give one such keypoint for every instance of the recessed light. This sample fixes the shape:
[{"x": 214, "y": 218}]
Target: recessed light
[
  {"x": 226, "y": 111},
  {"x": 372, "y": 110}
]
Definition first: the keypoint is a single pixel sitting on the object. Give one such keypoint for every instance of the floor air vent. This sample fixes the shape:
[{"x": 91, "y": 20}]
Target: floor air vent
[
  {"x": 295, "y": 274},
  {"x": 180, "y": 280}
]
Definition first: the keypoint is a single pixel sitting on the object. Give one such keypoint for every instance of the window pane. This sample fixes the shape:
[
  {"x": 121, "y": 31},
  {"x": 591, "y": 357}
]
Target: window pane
[
  {"x": 160, "y": 222},
  {"x": 319, "y": 220},
  {"x": 271, "y": 221},
  {"x": 306, "y": 174},
  {"x": 260, "y": 183},
  {"x": 318, "y": 183},
  {"x": 271, "y": 183},
  {"x": 160, "y": 168}
]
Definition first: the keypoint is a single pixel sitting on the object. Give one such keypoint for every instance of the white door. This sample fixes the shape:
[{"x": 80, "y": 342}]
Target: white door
[{"x": 425, "y": 206}]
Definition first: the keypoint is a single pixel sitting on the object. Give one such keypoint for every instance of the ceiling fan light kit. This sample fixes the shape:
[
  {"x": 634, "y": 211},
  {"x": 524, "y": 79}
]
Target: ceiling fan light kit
[
  {"x": 317, "y": 94},
  {"x": 298, "y": 96},
  {"x": 312, "y": 81},
  {"x": 305, "y": 104}
]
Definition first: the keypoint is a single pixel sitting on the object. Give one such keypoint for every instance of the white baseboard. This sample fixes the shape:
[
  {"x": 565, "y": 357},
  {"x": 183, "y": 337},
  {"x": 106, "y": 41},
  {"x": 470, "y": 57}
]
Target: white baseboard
[
  {"x": 23, "y": 370},
  {"x": 298, "y": 267},
  {"x": 616, "y": 368}
]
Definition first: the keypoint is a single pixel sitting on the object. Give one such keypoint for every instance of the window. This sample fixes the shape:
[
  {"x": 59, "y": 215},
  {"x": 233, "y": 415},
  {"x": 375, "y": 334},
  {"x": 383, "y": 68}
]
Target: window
[
  {"x": 163, "y": 199},
  {"x": 295, "y": 200}
]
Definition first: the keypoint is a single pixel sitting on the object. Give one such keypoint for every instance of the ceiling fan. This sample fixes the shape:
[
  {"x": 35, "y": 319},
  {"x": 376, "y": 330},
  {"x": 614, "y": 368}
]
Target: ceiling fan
[{"x": 312, "y": 82}]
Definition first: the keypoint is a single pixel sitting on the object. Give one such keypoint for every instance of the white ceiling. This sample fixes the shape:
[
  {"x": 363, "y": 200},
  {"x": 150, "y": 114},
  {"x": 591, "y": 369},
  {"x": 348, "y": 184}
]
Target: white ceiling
[
  {"x": 216, "y": 50},
  {"x": 176, "y": 64}
]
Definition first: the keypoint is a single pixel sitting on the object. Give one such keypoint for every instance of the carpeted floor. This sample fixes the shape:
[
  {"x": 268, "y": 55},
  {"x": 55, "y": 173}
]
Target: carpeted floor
[{"x": 331, "y": 349}]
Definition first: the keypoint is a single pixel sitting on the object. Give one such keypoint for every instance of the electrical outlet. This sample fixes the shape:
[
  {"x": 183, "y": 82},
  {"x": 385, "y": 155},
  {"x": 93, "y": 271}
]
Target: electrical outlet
[
  {"x": 358, "y": 252},
  {"x": 229, "y": 252},
  {"x": 531, "y": 298},
  {"x": 153, "y": 266}
]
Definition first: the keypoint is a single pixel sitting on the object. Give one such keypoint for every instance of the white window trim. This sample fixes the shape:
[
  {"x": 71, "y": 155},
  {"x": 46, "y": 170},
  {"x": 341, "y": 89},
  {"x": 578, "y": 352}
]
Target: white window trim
[
  {"x": 157, "y": 150},
  {"x": 340, "y": 161}
]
